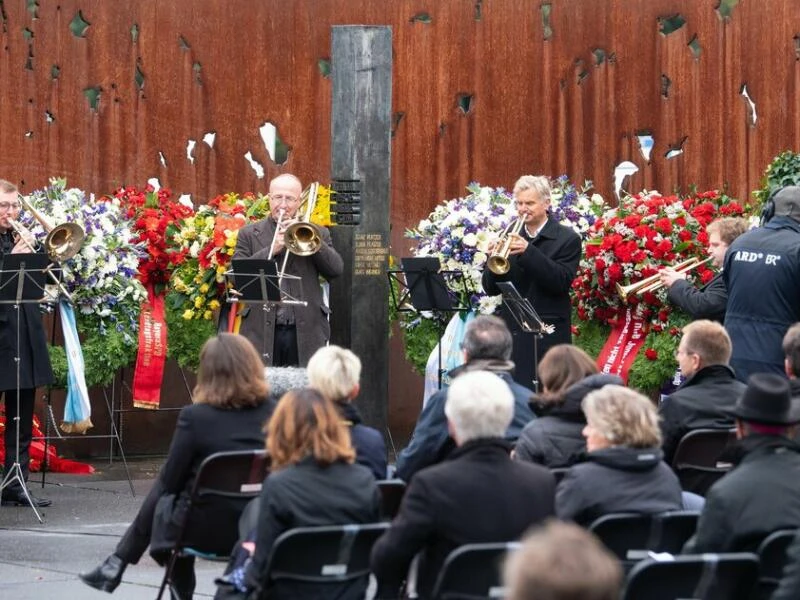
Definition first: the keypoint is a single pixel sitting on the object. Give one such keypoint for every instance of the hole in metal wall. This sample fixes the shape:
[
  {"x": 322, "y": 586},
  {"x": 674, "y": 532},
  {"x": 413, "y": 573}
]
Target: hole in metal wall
[
  {"x": 421, "y": 17},
  {"x": 257, "y": 166},
  {"x": 186, "y": 200},
  {"x": 27, "y": 34},
  {"x": 442, "y": 129},
  {"x": 29, "y": 134},
  {"x": 49, "y": 117},
  {"x": 546, "y": 10},
  {"x": 276, "y": 148},
  {"x": 646, "y": 143},
  {"x": 138, "y": 78},
  {"x": 29, "y": 59},
  {"x": 623, "y": 170},
  {"x": 396, "y": 118},
  {"x": 599, "y": 56},
  {"x": 676, "y": 149},
  {"x": 666, "y": 83},
  {"x": 135, "y": 33},
  {"x": 79, "y": 25},
  {"x": 478, "y": 10},
  {"x": 92, "y": 95},
  {"x": 725, "y": 8},
  {"x": 162, "y": 159},
  {"x": 464, "y": 102},
  {"x": 668, "y": 25},
  {"x": 155, "y": 183},
  {"x": 581, "y": 70},
  {"x": 324, "y": 66},
  {"x": 190, "y": 150},
  {"x": 752, "y": 116},
  {"x": 55, "y": 71},
  {"x": 695, "y": 47},
  {"x": 33, "y": 8},
  {"x": 183, "y": 43},
  {"x": 197, "y": 68},
  {"x": 797, "y": 46},
  {"x": 209, "y": 138}
]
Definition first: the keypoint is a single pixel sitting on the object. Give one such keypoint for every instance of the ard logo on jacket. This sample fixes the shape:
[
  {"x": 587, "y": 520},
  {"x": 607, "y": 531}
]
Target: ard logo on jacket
[{"x": 745, "y": 256}]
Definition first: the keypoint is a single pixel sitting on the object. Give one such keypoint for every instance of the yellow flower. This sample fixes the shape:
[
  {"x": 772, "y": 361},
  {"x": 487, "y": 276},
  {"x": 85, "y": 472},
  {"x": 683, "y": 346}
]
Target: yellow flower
[
  {"x": 213, "y": 305},
  {"x": 207, "y": 315},
  {"x": 230, "y": 242},
  {"x": 199, "y": 301},
  {"x": 221, "y": 269},
  {"x": 204, "y": 288},
  {"x": 188, "y": 314}
]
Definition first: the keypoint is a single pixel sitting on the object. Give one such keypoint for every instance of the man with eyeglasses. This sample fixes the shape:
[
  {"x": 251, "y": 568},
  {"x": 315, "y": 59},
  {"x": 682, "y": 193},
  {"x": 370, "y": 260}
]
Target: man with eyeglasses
[
  {"x": 34, "y": 363},
  {"x": 288, "y": 334}
]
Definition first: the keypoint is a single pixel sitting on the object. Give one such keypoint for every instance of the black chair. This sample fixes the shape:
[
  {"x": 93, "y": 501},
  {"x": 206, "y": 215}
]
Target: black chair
[
  {"x": 697, "y": 576},
  {"x": 632, "y": 537},
  {"x": 696, "y": 460},
  {"x": 392, "y": 491},
  {"x": 226, "y": 479},
  {"x": 473, "y": 572},
  {"x": 772, "y": 557},
  {"x": 336, "y": 555}
]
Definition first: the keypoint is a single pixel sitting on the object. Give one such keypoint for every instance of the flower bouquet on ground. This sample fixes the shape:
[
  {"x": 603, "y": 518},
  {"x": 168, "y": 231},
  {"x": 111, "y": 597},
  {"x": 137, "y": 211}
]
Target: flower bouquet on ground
[{"x": 629, "y": 243}]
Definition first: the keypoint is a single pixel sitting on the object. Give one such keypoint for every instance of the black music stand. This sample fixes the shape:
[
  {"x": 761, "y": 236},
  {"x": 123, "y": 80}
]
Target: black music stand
[
  {"x": 425, "y": 289},
  {"x": 22, "y": 281},
  {"x": 527, "y": 318}
]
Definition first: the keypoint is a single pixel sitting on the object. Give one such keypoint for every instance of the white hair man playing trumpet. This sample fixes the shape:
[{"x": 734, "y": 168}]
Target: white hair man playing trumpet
[
  {"x": 34, "y": 363},
  {"x": 708, "y": 301}
]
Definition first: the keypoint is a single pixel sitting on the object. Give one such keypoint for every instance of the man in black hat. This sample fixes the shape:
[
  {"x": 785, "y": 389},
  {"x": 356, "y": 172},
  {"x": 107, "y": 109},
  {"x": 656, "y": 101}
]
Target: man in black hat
[
  {"x": 762, "y": 492},
  {"x": 762, "y": 274}
]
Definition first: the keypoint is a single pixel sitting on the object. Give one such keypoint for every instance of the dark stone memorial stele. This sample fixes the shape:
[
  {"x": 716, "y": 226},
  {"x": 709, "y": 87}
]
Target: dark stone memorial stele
[{"x": 361, "y": 59}]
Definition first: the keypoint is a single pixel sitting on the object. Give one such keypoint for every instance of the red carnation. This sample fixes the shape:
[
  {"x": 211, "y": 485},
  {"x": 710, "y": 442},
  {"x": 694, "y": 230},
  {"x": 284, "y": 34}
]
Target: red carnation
[{"x": 651, "y": 354}]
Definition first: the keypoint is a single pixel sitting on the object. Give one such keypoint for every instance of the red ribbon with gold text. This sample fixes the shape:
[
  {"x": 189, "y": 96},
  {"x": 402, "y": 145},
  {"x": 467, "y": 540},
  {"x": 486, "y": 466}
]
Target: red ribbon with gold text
[
  {"x": 152, "y": 352},
  {"x": 622, "y": 346}
]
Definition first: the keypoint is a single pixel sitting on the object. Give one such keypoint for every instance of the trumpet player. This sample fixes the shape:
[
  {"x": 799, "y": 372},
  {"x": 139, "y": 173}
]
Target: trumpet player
[
  {"x": 34, "y": 364},
  {"x": 708, "y": 301},
  {"x": 288, "y": 334},
  {"x": 542, "y": 262}
]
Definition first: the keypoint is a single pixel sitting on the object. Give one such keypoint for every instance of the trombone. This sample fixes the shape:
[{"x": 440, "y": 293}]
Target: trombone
[
  {"x": 302, "y": 238},
  {"x": 62, "y": 242},
  {"x": 653, "y": 283},
  {"x": 498, "y": 262}
]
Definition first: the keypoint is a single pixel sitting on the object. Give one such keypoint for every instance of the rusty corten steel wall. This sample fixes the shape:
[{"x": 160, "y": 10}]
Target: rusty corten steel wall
[{"x": 559, "y": 86}]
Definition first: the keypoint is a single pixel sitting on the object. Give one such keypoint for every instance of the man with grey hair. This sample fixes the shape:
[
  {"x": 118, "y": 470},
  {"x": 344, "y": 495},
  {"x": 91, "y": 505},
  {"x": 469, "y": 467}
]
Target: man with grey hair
[
  {"x": 543, "y": 261},
  {"x": 486, "y": 347},
  {"x": 762, "y": 274},
  {"x": 478, "y": 495}
]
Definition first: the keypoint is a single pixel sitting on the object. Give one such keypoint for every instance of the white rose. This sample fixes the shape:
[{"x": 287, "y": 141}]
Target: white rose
[{"x": 470, "y": 239}]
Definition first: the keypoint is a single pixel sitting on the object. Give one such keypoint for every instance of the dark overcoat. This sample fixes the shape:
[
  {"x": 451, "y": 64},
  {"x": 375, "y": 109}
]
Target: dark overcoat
[
  {"x": 706, "y": 302},
  {"x": 313, "y": 329},
  {"x": 543, "y": 274}
]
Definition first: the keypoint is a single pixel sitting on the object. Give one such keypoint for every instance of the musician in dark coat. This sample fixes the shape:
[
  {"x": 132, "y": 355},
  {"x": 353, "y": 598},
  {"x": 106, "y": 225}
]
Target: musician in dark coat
[
  {"x": 229, "y": 411},
  {"x": 543, "y": 260},
  {"x": 34, "y": 363},
  {"x": 287, "y": 335},
  {"x": 708, "y": 301}
]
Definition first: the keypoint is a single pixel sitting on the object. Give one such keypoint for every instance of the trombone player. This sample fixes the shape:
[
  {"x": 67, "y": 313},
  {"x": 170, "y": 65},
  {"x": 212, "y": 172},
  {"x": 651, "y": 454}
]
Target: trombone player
[
  {"x": 542, "y": 260},
  {"x": 34, "y": 363},
  {"x": 288, "y": 334},
  {"x": 708, "y": 301}
]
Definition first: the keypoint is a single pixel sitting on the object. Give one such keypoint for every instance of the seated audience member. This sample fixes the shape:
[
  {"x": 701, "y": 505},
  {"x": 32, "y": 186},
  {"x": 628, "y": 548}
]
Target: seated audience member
[
  {"x": 624, "y": 471},
  {"x": 710, "y": 300},
  {"x": 486, "y": 347},
  {"x": 789, "y": 587},
  {"x": 230, "y": 407},
  {"x": 477, "y": 495},
  {"x": 561, "y": 561},
  {"x": 791, "y": 363},
  {"x": 706, "y": 398},
  {"x": 566, "y": 374},
  {"x": 761, "y": 494},
  {"x": 312, "y": 482},
  {"x": 335, "y": 372}
]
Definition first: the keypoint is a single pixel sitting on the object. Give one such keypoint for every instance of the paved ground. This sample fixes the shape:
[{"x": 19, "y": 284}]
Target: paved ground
[{"x": 88, "y": 515}]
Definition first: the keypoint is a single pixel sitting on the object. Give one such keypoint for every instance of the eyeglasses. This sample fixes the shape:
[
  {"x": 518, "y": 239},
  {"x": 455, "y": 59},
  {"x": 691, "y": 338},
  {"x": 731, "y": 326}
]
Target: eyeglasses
[
  {"x": 9, "y": 205},
  {"x": 279, "y": 199}
]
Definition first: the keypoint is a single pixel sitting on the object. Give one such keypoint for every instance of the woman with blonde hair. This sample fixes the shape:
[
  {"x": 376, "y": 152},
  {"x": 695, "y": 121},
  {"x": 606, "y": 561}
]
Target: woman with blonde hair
[
  {"x": 624, "y": 470},
  {"x": 567, "y": 374},
  {"x": 229, "y": 409},
  {"x": 313, "y": 482}
]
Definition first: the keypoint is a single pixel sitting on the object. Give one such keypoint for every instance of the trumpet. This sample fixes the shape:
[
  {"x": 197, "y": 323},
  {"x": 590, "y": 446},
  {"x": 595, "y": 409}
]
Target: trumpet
[
  {"x": 653, "y": 283},
  {"x": 498, "y": 262},
  {"x": 62, "y": 242}
]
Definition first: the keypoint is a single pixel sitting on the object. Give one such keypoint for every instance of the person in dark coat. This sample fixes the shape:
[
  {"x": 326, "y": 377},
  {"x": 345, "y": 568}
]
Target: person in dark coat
[
  {"x": 706, "y": 398},
  {"x": 789, "y": 586},
  {"x": 762, "y": 274},
  {"x": 313, "y": 482},
  {"x": 486, "y": 347},
  {"x": 477, "y": 495},
  {"x": 230, "y": 408},
  {"x": 555, "y": 440},
  {"x": 34, "y": 363},
  {"x": 290, "y": 334},
  {"x": 336, "y": 372},
  {"x": 791, "y": 361},
  {"x": 761, "y": 494},
  {"x": 708, "y": 301},
  {"x": 624, "y": 471},
  {"x": 543, "y": 262}
]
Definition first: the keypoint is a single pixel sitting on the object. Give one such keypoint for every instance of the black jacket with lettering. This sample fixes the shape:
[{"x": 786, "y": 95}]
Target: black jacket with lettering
[{"x": 762, "y": 274}]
